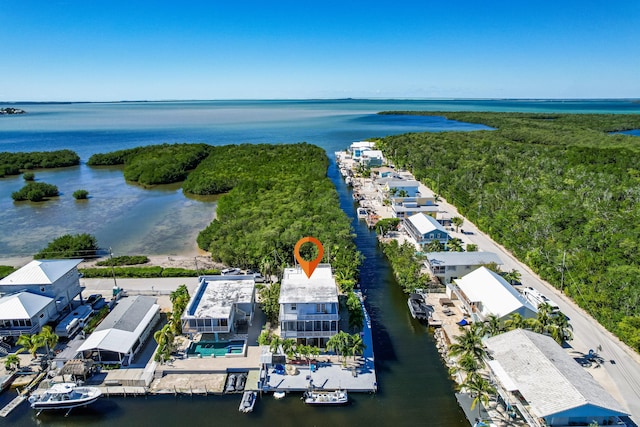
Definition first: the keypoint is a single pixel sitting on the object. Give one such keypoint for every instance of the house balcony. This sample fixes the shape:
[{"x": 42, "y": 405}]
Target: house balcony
[
  {"x": 308, "y": 334},
  {"x": 16, "y": 332},
  {"x": 204, "y": 329},
  {"x": 313, "y": 316}
]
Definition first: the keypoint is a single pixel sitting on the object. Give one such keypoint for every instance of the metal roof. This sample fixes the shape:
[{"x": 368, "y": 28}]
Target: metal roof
[
  {"x": 425, "y": 223},
  {"x": 546, "y": 376},
  {"x": 120, "y": 330},
  {"x": 41, "y": 272},
  {"x": 296, "y": 287},
  {"x": 497, "y": 296},
  {"x": 461, "y": 258},
  {"x": 23, "y": 305}
]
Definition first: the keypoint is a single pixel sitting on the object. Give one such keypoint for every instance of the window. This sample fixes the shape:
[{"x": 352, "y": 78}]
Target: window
[{"x": 293, "y": 307}]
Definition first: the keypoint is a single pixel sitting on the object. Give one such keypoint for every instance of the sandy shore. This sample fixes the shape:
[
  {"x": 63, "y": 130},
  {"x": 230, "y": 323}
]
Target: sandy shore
[{"x": 201, "y": 261}]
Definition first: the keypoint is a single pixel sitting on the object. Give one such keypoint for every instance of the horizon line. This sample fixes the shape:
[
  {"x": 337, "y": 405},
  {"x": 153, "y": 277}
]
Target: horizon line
[{"x": 631, "y": 99}]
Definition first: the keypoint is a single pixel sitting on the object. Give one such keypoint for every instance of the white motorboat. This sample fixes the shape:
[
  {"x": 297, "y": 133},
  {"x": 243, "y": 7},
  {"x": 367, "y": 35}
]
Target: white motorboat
[
  {"x": 248, "y": 401},
  {"x": 64, "y": 396},
  {"x": 335, "y": 397},
  {"x": 279, "y": 394},
  {"x": 362, "y": 213},
  {"x": 418, "y": 307}
]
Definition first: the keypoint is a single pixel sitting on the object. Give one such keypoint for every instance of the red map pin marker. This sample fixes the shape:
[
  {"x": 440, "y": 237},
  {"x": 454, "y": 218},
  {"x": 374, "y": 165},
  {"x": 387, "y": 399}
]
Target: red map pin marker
[{"x": 308, "y": 266}]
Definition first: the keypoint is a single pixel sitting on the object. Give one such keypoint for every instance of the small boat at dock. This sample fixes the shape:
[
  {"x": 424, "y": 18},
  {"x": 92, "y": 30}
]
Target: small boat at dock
[
  {"x": 362, "y": 213},
  {"x": 417, "y": 306},
  {"x": 248, "y": 401},
  {"x": 335, "y": 397},
  {"x": 64, "y": 396}
]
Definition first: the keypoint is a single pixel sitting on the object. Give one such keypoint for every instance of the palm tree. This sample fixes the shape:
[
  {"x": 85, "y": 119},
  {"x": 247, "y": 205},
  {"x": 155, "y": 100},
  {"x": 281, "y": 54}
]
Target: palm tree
[
  {"x": 457, "y": 221},
  {"x": 467, "y": 364},
  {"x": 560, "y": 328},
  {"x": 480, "y": 389},
  {"x": 276, "y": 342},
  {"x": 356, "y": 345},
  {"x": 289, "y": 347},
  {"x": 269, "y": 296},
  {"x": 30, "y": 343},
  {"x": 455, "y": 245},
  {"x": 12, "y": 362},
  {"x": 492, "y": 325},
  {"x": 339, "y": 343},
  {"x": 49, "y": 338},
  {"x": 164, "y": 337},
  {"x": 434, "y": 246},
  {"x": 515, "y": 321},
  {"x": 470, "y": 342}
]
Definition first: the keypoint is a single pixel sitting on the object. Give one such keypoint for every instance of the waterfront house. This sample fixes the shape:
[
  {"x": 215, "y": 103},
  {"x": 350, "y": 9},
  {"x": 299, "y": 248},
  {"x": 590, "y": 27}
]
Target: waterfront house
[
  {"x": 404, "y": 207},
  {"x": 357, "y": 148},
  {"x": 447, "y": 266},
  {"x": 424, "y": 229},
  {"x": 534, "y": 375},
  {"x": 122, "y": 334},
  {"x": 220, "y": 304},
  {"x": 382, "y": 172},
  {"x": 400, "y": 187},
  {"x": 484, "y": 292},
  {"x": 25, "y": 313},
  {"x": 372, "y": 158},
  {"x": 58, "y": 281},
  {"x": 309, "y": 306}
]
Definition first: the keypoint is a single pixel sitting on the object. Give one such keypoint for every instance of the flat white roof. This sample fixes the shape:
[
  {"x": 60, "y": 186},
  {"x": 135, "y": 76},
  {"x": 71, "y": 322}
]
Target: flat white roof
[
  {"x": 23, "y": 305},
  {"x": 546, "y": 376},
  {"x": 296, "y": 287},
  {"x": 497, "y": 296},
  {"x": 425, "y": 223},
  {"x": 216, "y": 295},
  {"x": 40, "y": 272}
]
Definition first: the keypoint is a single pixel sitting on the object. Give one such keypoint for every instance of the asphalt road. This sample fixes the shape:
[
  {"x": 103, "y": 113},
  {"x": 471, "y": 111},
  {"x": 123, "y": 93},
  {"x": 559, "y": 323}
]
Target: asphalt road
[{"x": 622, "y": 364}]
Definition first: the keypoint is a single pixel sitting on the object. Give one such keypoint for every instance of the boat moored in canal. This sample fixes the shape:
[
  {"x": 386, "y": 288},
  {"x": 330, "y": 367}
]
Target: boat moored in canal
[
  {"x": 64, "y": 396},
  {"x": 335, "y": 397}
]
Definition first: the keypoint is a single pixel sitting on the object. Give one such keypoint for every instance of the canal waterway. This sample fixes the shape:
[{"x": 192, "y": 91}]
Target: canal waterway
[{"x": 414, "y": 387}]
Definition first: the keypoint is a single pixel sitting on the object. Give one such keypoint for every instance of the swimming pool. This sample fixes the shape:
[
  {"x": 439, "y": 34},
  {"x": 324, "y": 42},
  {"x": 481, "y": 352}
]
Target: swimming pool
[{"x": 215, "y": 348}]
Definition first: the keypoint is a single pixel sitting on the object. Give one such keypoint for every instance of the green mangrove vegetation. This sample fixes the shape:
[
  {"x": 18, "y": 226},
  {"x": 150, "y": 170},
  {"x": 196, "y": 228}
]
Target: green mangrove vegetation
[
  {"x": 143, "y": 272},
  {"x": 277, "y": 194},
  {"x": 14, "y": 163},
  {"x": 155, "y": 164},
  {"x": 123, "y": 260},
  {"x": 70, "y": 246},
  {"x": 35, "y": 192},
  {"x": 548, "y": 187}
]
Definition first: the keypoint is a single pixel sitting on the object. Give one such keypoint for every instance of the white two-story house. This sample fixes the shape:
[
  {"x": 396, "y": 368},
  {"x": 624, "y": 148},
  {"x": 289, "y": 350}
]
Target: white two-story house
[{"x": 309, "y": 306}]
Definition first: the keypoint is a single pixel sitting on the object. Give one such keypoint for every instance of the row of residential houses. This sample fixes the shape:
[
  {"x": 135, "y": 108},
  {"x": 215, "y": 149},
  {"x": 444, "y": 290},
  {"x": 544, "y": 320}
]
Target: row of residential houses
[
  {"x": 43, "y": 292},
  {"x": 530, "y": 371}
]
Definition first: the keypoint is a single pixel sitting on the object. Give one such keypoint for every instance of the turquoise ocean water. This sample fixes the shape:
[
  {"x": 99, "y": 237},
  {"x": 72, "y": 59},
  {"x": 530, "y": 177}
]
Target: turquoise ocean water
[{"x": 414, "y": 386}]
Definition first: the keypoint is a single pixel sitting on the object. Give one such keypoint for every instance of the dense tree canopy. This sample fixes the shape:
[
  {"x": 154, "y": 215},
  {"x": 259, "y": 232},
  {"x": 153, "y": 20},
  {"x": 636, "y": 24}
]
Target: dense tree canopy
[
  {"x": 70, "y": 246},
  {"x": 35, "y": 192},
  {"x": 13, "y": 163},
  {"x": 155, "y": 164},
  {"x": 277, "y": 195},
  {"x": 544, "y": 185}
]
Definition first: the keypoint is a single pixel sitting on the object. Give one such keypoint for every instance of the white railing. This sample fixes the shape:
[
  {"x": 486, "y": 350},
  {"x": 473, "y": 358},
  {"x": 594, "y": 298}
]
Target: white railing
[
  {"x": 308, "y": 334},
  {"x": 302, "y": 317}
]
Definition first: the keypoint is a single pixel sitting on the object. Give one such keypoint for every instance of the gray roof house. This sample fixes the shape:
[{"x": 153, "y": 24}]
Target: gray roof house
[
  {"x": 546, "y": 385},
  {"x": 121, "y": 335},
  {"x": 57, "y": 281},
  {"x": 447, "y": 266},
  {"x": 425, "y": 229},
  {"x": 309, "y": 305}
]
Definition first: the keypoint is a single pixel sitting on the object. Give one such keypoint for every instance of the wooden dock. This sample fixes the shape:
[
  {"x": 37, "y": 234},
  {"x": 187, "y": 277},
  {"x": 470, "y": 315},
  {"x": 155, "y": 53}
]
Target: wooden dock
[{"x": 12, "y": 405}]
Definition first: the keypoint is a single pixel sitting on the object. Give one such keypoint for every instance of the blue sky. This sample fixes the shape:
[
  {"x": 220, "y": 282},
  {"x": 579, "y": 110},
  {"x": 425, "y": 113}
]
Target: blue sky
[{"x": 130, "y": 50}]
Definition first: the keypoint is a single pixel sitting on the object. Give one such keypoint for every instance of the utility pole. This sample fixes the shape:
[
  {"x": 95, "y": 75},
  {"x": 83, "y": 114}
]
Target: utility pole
[{"x": 564, "y": 257}]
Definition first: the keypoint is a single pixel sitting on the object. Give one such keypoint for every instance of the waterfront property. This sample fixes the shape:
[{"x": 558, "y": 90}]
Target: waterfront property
[
  {"x": 548, "y": 387},
  {"x": 404, "y": 207},
  {"x": 121, "y": 335},
  {"x": 43, "y": 290},
  {"x": 425, "y": 229},
  {"x": 220, "y": 304},
  {"x": 309, "y": 305},
  {"x": 484, "y": 292},
  {"x": 356, "y": 149},
  {"x": 447, "y": 266}
]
